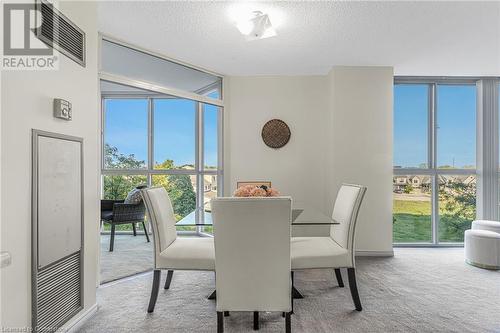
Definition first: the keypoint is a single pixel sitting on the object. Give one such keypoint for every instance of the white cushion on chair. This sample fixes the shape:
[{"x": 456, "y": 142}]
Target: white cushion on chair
[
  {"x": 161, "y": 216},
  {"x": 318, "y": 252},
  {"x": 482, "y": 248},
  {"x": 336, "y": 251},
  {"x": 252, "y": 247},
  {"x": 486, "y": 225},
  {"x": 172, "y": 252},
  {"x": 190, "y": 254},
  {"x": 345, "y": 211}
]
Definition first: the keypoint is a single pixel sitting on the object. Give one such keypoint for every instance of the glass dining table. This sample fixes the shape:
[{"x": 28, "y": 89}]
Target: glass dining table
[{"x": 302, "y": 215}]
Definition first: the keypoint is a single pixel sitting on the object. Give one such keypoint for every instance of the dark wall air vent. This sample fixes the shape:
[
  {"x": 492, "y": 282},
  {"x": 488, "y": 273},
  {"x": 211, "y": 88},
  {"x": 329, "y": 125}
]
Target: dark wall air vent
[{"x": 58, "y": 32}]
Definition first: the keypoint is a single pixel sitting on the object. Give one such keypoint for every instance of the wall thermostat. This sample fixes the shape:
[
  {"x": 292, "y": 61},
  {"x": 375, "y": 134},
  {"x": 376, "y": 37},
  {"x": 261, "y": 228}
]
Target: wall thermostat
[{"x": 62, "y": 109}]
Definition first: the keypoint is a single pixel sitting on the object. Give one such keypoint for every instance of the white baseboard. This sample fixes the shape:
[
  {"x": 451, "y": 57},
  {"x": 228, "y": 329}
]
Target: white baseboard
[
  {"x": 79, "y": 320},
  {"x": 389, "y": 253}
]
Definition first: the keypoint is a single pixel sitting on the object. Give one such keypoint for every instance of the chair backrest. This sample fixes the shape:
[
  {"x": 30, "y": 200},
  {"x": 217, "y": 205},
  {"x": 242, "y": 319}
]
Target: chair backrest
[
  {"x": 345, "y": 211},
  {"x": 161, "y": 216},
  {"x": 252, "y": 253}
]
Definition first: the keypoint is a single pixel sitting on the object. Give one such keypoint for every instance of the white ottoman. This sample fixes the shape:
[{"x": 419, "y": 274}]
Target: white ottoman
[
  {"x": 482, "y": 248},
  {"x": 486, "y": 225}
]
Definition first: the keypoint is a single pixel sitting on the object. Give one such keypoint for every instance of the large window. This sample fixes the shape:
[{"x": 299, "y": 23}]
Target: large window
[
  {"x": 411, "y": 126},
  {"x": 434, "y": 183},
  {"x": 163, "y": 141},
  {"x": 174, "y": 133},
  {"x": 126, "y": 127}
]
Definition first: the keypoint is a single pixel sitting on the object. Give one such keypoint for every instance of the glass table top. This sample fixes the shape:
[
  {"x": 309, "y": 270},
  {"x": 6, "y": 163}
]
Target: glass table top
[{"x": 301, "y": 215}]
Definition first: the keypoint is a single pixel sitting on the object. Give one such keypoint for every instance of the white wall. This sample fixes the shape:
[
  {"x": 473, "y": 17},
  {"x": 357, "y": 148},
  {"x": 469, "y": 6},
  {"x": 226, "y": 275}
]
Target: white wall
[
  {"x": 360, "y": 151},
  {"x": 298, "y": 169},
  {"x": 341, "y": 132},
  {"x": 26, "y": 101}
]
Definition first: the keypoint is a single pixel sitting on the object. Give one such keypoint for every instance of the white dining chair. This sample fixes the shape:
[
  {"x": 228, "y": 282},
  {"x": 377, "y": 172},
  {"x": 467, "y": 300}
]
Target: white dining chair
[
  {"x": 252, "y": 256},
  {"x": 172, "y": 252},
  {"x": 336, "y": 250}
]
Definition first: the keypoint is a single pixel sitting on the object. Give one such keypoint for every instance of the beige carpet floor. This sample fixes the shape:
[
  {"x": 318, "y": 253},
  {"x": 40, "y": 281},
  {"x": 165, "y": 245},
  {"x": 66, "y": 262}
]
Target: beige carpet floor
[{"x": 418, "y": 290}]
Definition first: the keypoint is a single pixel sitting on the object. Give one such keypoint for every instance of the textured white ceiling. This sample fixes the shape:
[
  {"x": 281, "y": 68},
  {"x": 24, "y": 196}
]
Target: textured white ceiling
[{"x": 417, "y": 38}]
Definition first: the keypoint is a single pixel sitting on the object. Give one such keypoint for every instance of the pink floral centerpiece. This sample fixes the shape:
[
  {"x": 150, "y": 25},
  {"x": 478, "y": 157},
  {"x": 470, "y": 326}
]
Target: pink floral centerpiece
[{"x": 256, "y": 191}]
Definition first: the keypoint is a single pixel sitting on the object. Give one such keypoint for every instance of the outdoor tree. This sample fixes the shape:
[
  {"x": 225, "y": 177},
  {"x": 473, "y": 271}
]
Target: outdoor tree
[
  {"x": 459, "y": 204},
  {"x": 179, "y": 188},
  {"x": 182, "y": 194},
  {"x": 117, "y": 187},
  {"x": 407, "y": 189}
]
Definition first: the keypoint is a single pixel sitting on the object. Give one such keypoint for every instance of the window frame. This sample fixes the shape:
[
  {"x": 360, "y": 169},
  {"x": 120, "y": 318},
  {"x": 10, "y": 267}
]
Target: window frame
[
  {"x": 432, "y": 169},
  {"x": 199, "y": 171}
]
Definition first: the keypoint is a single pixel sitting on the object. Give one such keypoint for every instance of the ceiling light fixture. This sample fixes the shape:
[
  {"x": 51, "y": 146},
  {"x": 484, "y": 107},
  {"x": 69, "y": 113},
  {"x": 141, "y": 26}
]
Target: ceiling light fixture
[{"x": 257, "y": 26}]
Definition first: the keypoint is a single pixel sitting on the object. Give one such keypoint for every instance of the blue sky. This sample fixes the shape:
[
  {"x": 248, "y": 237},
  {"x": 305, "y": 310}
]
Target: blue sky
[
  {"x": 126, "y": 123},
  {"x": 456, "y": 120}
]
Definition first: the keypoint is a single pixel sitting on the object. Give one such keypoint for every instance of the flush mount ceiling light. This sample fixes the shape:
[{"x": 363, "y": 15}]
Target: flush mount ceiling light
[{"x": 256, "y": 26}]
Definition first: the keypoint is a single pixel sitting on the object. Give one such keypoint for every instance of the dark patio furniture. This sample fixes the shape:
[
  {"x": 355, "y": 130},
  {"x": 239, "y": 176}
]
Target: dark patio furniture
[{"x": 116, "y": 212}]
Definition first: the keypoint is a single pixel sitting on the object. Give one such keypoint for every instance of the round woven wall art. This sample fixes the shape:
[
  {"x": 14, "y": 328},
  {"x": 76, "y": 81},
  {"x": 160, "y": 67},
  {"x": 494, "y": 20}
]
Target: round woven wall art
[{"x": 276, "y": 133}]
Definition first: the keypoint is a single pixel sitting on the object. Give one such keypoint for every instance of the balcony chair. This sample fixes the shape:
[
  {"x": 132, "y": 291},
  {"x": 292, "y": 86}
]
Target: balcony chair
[
  {"x": 117, "y": 212},
  {"x": 337, "y": 250},
  {"x": 252, "y": 252},
  {"x": 170, "y": 252}
]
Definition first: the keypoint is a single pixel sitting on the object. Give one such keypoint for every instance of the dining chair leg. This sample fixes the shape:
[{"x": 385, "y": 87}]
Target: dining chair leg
[
  {"x": 145, "y": 231},
  {"x": 213, "y": 295},
  {"x": 351, "y": 273},
  {"x": 134, "y": 229},
  {"x": 112, "y": 238},
  {"x": 288, "y": 322},
  {"x": 256, "y": 320},
  {"x": 220, "y": 322},
  {"x": 226, "y": 313},
  {"x": 295, "y": 292},
  {"x": 169, "y": 279},
  {"x": 338, "y": 274},
  {"x": 292, "y": 289},
  {"x": 154, "y": 290}
]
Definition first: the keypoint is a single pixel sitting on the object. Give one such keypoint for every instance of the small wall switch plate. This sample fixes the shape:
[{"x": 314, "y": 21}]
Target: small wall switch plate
[{"x": 62, "y": 109}]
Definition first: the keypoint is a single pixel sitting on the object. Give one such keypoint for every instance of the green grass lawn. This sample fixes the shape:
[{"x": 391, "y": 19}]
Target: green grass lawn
[{"x": 412, "y": 223}]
